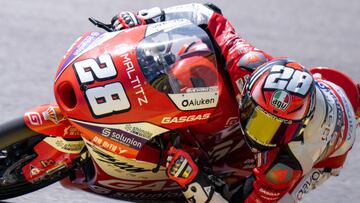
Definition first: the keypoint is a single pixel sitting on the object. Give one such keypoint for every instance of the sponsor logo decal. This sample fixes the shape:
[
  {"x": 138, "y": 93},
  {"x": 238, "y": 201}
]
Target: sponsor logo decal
[
  {"x": 310, "y": 183},
  {"x": 122, "y": 137},
  {"x": 71, "y": 146},
  {"x": 108, "y": 146},
  {"x": 185, "y": 119},
  {"x": 134, "y": 79},
  {"x": 280, "y": 99},
  {"x": 47, "y": 162},
  {"x": 197, "y": 102},
  {"x": 202, "y": 89},
  {"x": 279, "y": 174},
  {"x": 72, "y": 131},
  {"x": 133, "y": 135},
  {"x": 138, "y": 131},
  {"x": 52, "y": 115},
  {"x": 232, "y": 121},
  {"x": 350, "y": 116},
  {"x": 75, "y": 146},
  {"x": 34, "y": 118},
  {"x": 167, "y": 25},
  {"x": 117, "y": 135},
  {"x": 338, "y": 121},
  {"x": 34, "y": 170}
]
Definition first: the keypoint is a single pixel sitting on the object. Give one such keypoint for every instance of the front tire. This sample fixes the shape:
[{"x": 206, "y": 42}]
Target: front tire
[{"x": 17, "y": 150}]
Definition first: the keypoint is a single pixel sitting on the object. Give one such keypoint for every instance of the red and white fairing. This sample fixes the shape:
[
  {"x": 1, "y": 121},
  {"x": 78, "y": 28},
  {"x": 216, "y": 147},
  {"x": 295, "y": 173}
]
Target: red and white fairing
[
  {"x": 112, "y": 92},
  {"x": 108, "y": 90}
]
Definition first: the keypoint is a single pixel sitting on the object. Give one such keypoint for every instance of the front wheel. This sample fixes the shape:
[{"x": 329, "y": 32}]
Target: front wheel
[{"x": 15, "y": 154}]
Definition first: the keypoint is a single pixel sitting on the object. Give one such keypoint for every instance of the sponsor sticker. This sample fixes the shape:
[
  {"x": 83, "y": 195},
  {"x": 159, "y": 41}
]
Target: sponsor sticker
[
  {"x": 107, "y": 145},
  {"x": 123, "y": 137},
  {"x": 309, "y": 183},
  {"x": 280, "y": 99},
  {"x": 52, "y": 115},
  {"x": 195, "y": 100},
  {"x": 202, "y": 89},
  {"x": 232, "y": 121},
  {"x": 279, "y": 174},
  {"x": 141, "y": 132},
  {"x": 34, "y": 170},
  {"x": 71, "y": 147},
  {"x": 185, "y": 119},
  {"x": 138, "y": 130},
  {"x": 71, "y": 131},
  {"x": 135, "y": 79},
  {"x": 47, "y": 162},
  {"x": 167, "y": 25},
  {"x": 34, "y": 118}
]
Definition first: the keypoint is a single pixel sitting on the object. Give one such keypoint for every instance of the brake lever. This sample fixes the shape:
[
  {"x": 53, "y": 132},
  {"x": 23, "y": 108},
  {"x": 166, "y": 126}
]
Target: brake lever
[{"x": 107, "y": 27}]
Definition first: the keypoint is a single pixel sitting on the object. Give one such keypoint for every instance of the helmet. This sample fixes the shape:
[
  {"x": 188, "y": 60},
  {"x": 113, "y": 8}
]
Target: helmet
[{"x": 276, "y": 105}]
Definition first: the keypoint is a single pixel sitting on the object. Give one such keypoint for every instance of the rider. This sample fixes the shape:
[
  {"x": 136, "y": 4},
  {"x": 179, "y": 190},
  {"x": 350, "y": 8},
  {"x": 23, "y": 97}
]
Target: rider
[{"x": 299, "y": 125}]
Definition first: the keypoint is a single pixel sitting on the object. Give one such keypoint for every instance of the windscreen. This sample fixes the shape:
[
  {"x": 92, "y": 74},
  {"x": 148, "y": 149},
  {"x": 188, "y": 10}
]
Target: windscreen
[{"x": 178, "y": 59}]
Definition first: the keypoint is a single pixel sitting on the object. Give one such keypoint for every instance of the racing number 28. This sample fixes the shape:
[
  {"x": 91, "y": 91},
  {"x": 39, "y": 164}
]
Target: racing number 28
[
  {"x": 102, "y": 100},
  {"x": 285, "y": 78}
]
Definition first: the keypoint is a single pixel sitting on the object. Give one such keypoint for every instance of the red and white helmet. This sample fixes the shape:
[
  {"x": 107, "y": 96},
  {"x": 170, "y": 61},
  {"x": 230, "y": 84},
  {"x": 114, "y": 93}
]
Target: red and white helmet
[{"x": 277, "y": 103}]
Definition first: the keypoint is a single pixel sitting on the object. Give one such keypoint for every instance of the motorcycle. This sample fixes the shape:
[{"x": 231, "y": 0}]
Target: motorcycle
[{"x": 122, "y": 99}]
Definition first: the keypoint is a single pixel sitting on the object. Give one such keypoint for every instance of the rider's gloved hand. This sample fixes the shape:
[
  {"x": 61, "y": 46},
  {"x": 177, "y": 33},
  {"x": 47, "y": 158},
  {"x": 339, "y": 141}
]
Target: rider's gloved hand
[
  {"x": 126, "y": 20},
  {"x": 197, "y": 185},
  {"x": 181, "y": 168}
]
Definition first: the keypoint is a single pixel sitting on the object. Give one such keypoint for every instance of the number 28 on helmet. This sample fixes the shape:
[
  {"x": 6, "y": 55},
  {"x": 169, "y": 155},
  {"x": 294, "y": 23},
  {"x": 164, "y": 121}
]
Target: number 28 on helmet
[{"x": 276, "y": 104}]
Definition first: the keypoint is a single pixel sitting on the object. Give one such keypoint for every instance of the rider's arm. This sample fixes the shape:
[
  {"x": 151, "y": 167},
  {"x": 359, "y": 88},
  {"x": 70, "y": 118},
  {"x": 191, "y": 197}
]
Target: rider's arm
[{"x": 276, "y": 175}]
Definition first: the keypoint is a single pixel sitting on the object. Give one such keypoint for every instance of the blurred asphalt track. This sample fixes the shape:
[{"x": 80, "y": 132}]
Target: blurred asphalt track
[{"x": 35, "y": 34}]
